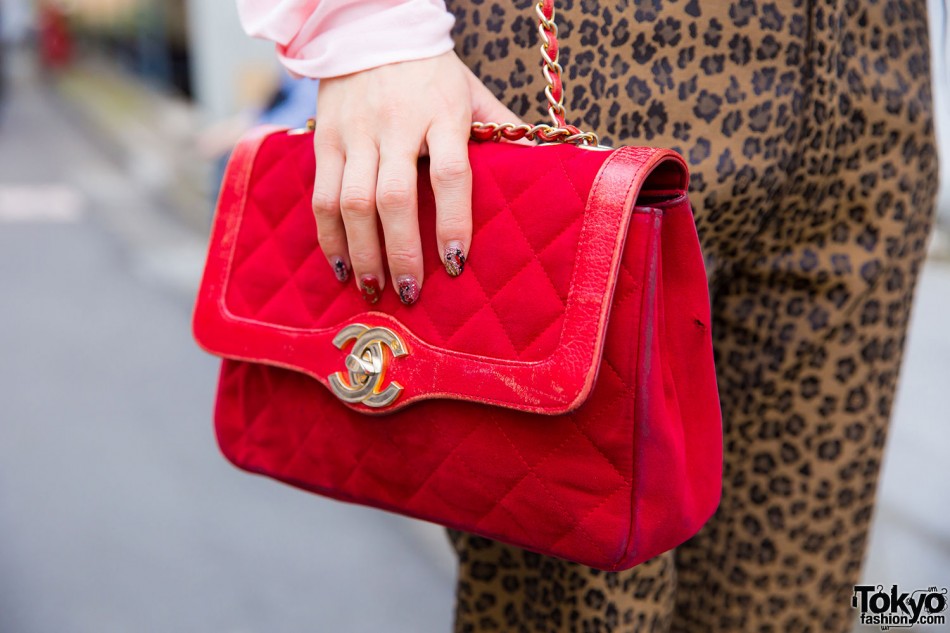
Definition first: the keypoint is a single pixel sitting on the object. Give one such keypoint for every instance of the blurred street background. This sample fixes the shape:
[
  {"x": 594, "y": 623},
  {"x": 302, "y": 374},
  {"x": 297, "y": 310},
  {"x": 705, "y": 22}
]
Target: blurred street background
[{"x": 116, "y": 511}]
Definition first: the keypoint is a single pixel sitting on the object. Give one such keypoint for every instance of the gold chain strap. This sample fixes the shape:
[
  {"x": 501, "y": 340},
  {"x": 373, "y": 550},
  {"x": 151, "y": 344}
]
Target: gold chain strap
[{"x": 560, "y": 132}]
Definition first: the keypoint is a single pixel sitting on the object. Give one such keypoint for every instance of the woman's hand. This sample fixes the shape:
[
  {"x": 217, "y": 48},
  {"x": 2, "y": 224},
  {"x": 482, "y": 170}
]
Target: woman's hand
[{"x": 372, "y": 126}]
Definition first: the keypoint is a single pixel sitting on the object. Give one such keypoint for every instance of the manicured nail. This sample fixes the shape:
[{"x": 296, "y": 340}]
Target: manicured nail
[
  {"x": 340, "y": 269},
  {"x": 369, "y": 287},
  {"x": 408, "y": 289},
  {"x": 454, "y": 259}
]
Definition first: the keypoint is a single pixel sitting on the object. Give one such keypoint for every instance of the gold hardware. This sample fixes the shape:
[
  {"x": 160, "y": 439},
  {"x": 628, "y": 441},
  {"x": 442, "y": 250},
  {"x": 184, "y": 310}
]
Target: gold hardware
[
  {"x": 309, "y": 126},
  {"x": 366, "y": 365}
]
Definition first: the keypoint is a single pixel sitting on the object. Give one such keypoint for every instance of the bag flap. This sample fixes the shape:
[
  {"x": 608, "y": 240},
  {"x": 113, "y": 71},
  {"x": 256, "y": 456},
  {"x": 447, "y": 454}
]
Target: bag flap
[{"x": 522, "y": 327}]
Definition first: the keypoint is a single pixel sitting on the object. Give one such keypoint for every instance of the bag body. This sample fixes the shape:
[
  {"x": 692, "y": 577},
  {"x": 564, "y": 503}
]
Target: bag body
[{"x": 560, "y": 395}]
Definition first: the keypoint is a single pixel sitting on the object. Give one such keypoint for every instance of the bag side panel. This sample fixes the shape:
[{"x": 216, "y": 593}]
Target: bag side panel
[{"x": 678, "y": 428}]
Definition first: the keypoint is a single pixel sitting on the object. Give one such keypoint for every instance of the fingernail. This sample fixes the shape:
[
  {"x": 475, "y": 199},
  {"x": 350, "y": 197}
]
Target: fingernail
[
  {"x": 408, "y": 289},
  {"x": 340, "y": 269},
  {"x": 369, "y": 287},
  {"x": 454, "y": 258}
]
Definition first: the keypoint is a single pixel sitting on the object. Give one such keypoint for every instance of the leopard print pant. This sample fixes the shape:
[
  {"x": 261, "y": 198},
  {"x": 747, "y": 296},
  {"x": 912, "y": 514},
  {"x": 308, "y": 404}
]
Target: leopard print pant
[{"x": 807, "y": 126}]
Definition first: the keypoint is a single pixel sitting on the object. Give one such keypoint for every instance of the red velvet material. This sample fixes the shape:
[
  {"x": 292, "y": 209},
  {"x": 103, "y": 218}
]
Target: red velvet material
[{"x": 559, "y": 395}]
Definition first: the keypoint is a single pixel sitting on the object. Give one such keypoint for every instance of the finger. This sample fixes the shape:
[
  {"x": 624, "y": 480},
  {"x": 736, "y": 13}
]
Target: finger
[
  {"x": 396, "y": 199},
  {"x": 451, "y": 177},
  {"x": 326, "y": 203},
  {"x": 358, "y": 205}
]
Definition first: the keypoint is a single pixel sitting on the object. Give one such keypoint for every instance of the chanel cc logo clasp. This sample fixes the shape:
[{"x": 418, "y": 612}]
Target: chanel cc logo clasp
[{"x": 366, "y": 365}]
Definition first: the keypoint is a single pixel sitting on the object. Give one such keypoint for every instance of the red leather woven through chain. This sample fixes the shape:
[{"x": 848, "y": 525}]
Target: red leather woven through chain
[{"x": 516, "y": 133}]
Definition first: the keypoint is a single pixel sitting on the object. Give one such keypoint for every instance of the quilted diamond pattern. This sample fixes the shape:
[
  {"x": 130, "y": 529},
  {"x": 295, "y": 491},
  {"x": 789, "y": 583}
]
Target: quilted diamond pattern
[
  {"x": 631, "y": 472},
  {"x": 280, "y": 277}
]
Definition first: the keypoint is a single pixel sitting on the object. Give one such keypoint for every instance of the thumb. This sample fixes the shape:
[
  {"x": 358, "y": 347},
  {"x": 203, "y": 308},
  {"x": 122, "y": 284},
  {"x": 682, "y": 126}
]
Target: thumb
[{"x": 488, "y": 109}]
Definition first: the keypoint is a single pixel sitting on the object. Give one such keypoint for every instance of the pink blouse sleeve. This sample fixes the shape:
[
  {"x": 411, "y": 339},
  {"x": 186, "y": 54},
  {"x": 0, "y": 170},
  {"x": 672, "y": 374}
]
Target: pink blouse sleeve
[{"x": 328, "y": 38}]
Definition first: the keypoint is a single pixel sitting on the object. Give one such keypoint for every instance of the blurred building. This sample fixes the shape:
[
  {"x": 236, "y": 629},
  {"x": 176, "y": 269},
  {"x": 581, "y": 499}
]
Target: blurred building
[
  {"x": 228, "y": 67},
  {"x": 151, "y": 78},
  {"x": 191, "y": 49}
]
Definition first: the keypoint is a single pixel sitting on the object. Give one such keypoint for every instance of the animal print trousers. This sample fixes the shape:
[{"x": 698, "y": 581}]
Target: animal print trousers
[{"x": 807, "y": 126}]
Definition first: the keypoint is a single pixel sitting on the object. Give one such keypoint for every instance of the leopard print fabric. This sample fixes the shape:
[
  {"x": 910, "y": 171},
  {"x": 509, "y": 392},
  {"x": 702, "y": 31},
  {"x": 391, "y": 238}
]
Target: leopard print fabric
[{"x": 808, "y": 129}]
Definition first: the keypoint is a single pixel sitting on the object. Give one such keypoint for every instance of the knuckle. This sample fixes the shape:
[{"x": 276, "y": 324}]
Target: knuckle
[
  {"x": 403, "y": 258},
  {"x": 364, "y": 260},
  {"x": 454, "y": 225},
  {"x": 325, "y": 205},
  {"x": 329, "y": 243},
  {"x": 391, "y": 111},
  {"x": 356, "y": 201},
  {"x": 449, "y": 170},
  {"x": 394, "y": 195},
  {"x": 326, "y": 137}
]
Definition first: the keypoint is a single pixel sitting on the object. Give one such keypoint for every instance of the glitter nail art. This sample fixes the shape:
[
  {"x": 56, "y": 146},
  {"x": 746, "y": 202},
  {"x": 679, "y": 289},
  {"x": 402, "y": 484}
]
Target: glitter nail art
[
  {"x": 369, "y": 287},
  {"x": 340, "y": 269},
  {"x": 408, "y": 289},
  {"x": 454, "y": 259}
]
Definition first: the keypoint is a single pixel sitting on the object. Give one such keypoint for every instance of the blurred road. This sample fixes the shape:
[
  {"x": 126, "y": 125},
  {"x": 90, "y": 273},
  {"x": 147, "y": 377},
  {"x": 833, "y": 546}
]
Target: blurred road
[
  {"x": 116, "y": 512},
  {"x": 118, "y": 515}
]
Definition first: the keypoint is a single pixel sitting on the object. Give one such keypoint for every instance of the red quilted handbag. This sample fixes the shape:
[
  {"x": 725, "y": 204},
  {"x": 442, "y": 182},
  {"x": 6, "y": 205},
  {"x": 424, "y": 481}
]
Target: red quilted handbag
[{"x": 560, "y": 395}]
